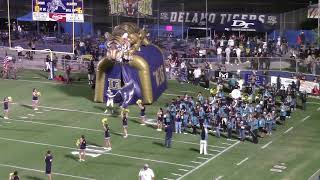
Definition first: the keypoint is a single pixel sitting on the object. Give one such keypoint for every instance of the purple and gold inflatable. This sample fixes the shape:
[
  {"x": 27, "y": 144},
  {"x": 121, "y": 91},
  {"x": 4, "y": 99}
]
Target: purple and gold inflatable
[{"x": 133, "y": 68}]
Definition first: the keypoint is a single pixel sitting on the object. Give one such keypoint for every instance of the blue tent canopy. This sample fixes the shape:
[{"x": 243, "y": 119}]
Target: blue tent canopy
[{"x": 27, "y": 17}]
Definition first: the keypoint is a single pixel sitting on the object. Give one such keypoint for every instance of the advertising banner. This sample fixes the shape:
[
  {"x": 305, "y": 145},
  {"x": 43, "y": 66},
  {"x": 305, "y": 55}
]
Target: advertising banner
[
  {"x": 224, "y": 21},
  {"x": 58, "y": 10}
]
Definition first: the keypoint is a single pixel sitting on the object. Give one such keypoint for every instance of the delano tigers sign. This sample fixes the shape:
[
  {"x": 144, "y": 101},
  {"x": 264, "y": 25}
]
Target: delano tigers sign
[
  {"x": 223, "y": 21},
  {"x": 131, "y": 8}
]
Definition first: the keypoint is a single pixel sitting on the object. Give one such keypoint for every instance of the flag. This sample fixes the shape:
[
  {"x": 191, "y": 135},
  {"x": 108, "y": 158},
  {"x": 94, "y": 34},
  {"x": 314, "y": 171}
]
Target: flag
[{"x": 128, "y": 94}]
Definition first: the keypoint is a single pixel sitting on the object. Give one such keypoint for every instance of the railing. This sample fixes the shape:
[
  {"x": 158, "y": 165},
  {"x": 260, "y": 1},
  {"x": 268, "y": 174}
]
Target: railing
[{"x": 260, "y": 63}]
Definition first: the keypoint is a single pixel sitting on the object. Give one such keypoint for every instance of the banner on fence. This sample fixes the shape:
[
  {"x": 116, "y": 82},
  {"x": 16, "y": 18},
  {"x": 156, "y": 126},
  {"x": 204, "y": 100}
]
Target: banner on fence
[{"x": 57, "y": 10}]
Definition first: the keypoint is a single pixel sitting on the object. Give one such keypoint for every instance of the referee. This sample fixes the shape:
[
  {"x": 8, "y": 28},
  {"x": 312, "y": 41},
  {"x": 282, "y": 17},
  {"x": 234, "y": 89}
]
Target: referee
[{"x": 48, "y": 160}]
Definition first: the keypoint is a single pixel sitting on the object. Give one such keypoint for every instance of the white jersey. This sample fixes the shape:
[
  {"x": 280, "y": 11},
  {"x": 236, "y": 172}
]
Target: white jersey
[{"x": 146, "y": 174}]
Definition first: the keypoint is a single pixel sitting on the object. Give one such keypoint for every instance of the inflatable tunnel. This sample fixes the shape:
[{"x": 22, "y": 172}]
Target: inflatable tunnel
[{"x": 140, "y": 75}]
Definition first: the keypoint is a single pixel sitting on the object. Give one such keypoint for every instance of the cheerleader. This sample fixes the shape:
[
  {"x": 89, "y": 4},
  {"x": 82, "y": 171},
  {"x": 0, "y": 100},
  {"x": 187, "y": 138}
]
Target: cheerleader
[
  {"x": 110, "y": 98},
  {"x": 82, "y": 148},
  {"x": 6, "y": 101},
  {"x": 142, "y": 112},
  {"x": 35, "y": 99},
  {"x": 14, "y": 176},
  {"x": 160, "y": 119},
  {"x": 125, "y": 123},
  {"x": 107, "y": 136}
]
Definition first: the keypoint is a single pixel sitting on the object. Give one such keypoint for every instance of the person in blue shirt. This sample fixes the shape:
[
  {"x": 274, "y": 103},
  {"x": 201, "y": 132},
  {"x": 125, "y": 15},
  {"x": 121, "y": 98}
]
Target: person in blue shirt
[
  {"x": 229, "y": 129},
  {"x": 269, "y": 124},
  {"x": 283, "y": 112},
  {"x": 169, "y": 134},
  {"x": 254, "y": 129},
  {"x": 178, "y": 122},
  {"x": 194, "y": 122}
]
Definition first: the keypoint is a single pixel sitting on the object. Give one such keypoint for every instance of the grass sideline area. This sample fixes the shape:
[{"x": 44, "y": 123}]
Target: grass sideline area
[{"x": 67, "y": 111}]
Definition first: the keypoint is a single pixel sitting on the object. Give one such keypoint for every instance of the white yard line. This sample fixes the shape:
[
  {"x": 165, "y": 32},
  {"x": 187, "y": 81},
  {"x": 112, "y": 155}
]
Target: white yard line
[
  {"x": 207, "y": 161},
  {"x": 202, "y": 158},
  {"x": 97, "y": 130},
  {"x": 226, "y": 144},
  {"x": 244, "y": 160},
  {"x": 214, "y": 150},
  {"x": 40, "y": 171},
  {"x": 311, "y": 177},
  {"x": 167, "y": 179},
  {"x": 276, "y": 170},
  {"x": 107, "y": 153},
  {"x": 196, "y": 162},
  {"x": 288, "y": 130},
  {"x": 176, "y": 174},
  {"x": 266, "y": 145},
  {"x": 185, "y": 170},
  {"x": 318, "y": 109},
  {"x": 218, "y": 178},
  {"x": 304, "y": 119}
]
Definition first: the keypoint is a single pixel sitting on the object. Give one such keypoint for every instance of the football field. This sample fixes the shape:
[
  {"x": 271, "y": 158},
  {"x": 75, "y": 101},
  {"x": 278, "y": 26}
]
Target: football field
[{"x": 66, "y": 112}]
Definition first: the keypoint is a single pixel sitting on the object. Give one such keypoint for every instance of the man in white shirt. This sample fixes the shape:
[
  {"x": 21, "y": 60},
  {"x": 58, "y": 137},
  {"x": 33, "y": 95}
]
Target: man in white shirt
[
  {"x": 219, "y": 53},
  {"x": 146, "y": 173},
  {"x": 228, "y": 52},
  {"x": 231, "y": 42},
  {"x": 238, "y": 52},
  {"x": 197, "y": 74}
]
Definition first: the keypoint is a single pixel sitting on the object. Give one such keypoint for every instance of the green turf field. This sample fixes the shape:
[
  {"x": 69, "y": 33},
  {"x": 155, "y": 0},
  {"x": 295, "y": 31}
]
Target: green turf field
[{"x": 67, "y": 111}]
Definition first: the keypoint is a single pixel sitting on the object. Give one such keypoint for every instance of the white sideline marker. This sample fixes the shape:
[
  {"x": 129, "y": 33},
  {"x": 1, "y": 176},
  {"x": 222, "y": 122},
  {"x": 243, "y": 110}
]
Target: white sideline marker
[
  {"x": 218, "y": 178},
  {"x": 23, "y": 117},
  {"x": 288, "y": 130},
  {"x": 39, "y": 112},
  {"x": 304, "y": 119},
  {"x": 318, "y": 109},
  {"x": 266, "y": 145},
  {"x": 167, "y": 179},
  {"x": 31, "y": 115},
  {"x": 244, "y": 160}
]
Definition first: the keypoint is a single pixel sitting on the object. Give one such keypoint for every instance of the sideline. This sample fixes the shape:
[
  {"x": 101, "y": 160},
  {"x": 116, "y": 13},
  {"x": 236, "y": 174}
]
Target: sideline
[{"x": 40, "y": 171}]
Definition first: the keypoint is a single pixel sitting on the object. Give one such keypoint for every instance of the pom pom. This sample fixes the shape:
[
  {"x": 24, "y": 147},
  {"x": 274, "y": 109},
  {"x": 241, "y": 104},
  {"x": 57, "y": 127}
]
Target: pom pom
[
  {"x": 39, "y": 93},
  {"x": 78, "y": 142},
  {"x": 104, "y": 120},
  {"x": 10, "y": 98},
  {"x": 139, "y": 101}
]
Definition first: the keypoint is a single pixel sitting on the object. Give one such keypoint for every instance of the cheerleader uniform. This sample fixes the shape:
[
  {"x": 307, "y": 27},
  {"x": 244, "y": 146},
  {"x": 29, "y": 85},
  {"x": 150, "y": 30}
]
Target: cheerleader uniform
[
  {"x": 160, "y": 117},
  {"x": 124, "y": 122},
  {"x": 143, "y": 111},
  {"x": 6, "y": 106},
  {"x": 107, "y": 133},
  {"x": 34, "y": 97},
  {"x": 48, "y": 161},
  {"x": 83, "y": 144}
]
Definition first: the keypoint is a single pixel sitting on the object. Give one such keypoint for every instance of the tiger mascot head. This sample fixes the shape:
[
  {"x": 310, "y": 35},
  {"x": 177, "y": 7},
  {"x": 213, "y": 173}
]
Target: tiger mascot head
[{"x": 130, "y": 7}]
